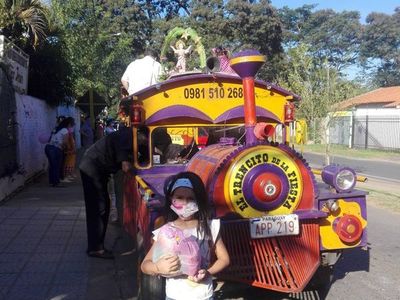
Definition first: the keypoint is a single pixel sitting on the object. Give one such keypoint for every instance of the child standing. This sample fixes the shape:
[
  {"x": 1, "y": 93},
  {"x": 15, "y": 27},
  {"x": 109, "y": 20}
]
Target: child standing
[
  {"x": 70, "y": 154},
  {"x": 187, "y": 210}
]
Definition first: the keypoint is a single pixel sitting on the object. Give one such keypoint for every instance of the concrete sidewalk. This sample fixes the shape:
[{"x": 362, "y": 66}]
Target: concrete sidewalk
[{"x": 42, "y": 249}]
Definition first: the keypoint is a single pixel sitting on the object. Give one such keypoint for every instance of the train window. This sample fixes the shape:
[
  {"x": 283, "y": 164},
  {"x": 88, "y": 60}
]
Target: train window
[
  {"x": 169, "y": 145},
  {"x": 216, "y": 133},
  {"x": 176, "y": 145}
]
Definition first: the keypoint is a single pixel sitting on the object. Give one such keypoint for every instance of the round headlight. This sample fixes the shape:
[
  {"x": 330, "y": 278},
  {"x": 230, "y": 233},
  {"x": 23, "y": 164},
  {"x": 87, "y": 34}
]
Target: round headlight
[{"x": 343, "y": 179}]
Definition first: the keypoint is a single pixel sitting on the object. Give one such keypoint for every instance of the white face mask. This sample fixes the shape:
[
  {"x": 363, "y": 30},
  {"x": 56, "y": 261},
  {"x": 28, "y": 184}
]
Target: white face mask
[{"x": 185, "y": 210}]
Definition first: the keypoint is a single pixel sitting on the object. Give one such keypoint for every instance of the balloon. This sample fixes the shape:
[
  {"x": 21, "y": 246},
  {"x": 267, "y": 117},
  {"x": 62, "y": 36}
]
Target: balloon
[{"x": 44, "y": 137}]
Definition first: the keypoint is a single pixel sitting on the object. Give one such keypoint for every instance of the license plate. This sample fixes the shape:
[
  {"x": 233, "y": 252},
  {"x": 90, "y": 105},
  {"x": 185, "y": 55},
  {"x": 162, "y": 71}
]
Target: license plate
[{"x": 268, "y": 226}]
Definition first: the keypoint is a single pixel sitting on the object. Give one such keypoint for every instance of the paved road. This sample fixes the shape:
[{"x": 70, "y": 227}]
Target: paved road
[
  {"x": 43, "y": 238},
  {"x": 371, "y": 168},
  {"x": 42, "y": 249}
]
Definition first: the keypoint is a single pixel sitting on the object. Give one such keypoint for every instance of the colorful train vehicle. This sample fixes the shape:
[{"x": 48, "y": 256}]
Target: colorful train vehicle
[{"x": 280, "y": 224}]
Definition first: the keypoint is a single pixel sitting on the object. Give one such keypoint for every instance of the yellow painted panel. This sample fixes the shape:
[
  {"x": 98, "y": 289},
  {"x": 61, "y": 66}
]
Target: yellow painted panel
[
  {"x": 245, "y": 162},
  {"x": 329, "y": 238},
  {"x": 213, "y": 98}
]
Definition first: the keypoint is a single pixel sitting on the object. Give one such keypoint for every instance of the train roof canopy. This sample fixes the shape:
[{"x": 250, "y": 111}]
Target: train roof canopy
[{"x": 208, "y": 99}]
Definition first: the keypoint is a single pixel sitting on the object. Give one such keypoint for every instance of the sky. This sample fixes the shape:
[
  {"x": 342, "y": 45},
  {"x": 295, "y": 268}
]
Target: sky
[{"x": 363, "y": 6}]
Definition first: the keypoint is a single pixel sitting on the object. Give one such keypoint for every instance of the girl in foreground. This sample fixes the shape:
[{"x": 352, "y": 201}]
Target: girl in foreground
[{"x": 187, "y": 210}]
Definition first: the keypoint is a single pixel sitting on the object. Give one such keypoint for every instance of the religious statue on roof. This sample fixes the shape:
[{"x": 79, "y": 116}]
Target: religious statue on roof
[{"x": 181, "y": 53}]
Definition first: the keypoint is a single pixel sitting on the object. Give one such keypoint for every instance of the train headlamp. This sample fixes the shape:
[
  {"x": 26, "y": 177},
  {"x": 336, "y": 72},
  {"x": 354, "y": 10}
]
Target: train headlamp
[
  {"x": 289, "y": 112},
  {"x": 342, "y": 179},
  {"x": 137, "y": 114}
]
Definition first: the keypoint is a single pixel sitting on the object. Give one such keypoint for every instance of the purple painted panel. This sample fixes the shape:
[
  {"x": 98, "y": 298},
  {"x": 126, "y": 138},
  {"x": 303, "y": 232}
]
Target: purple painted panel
[
  {"x": 324, "y": 195},
  {"x": 156, "y": 176},
  {"x": 177, "y": 111},
  {"x": 248, "y": 183},
  {"x": 246, "y": 68},
  {"x": 238, "y": 112},
  {"x": 310, "y": 214}
]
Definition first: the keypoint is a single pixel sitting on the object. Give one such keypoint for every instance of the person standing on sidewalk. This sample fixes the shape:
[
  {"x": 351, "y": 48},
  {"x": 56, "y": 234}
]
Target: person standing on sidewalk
[
  {"x": 103, "y": 158},
  {"x": 69, "y": 155},
  {"x": 55, "y": 150},
  {"x": 111, "y": 182}
]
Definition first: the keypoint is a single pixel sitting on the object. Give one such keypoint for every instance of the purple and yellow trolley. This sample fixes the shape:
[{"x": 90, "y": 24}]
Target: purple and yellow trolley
[{"x": 280, "y": 226}]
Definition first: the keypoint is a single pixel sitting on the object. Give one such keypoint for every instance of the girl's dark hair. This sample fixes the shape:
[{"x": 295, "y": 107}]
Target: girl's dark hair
[
  {"x": 201, "y": 200},
  {"x": 65, "y": 123}
]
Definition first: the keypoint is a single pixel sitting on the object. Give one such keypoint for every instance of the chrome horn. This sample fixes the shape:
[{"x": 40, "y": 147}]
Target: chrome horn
[{"x": 212, "y": 64}]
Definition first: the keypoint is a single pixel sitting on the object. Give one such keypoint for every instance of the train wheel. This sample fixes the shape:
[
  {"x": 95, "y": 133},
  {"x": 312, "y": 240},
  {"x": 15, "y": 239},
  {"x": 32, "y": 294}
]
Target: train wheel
[
  {"x": 150, "y": 287},
  {"x": 322, "y": 279}
]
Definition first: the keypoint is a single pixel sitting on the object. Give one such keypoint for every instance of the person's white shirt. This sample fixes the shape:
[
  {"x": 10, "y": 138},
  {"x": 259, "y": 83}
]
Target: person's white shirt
[
  {"x": 57, "y": 139},
  {"x": 142, "y": 73}
]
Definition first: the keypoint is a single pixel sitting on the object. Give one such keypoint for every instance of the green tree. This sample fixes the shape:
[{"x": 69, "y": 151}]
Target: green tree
[
  {"x": 293, "y": 22},
  {"x": 240, "y": 25},
  {"x": 320, "y": 87},
  {"x": 24, "y": 22},
  {"x": 100, "y": 39},
  {"x": 256, "y": 24},
  {"x": 49, "y": 72},
  {"x": 209, "y": 19},
  {"x": 380, "y": 50},
  {"x": 334, "y": 38}
]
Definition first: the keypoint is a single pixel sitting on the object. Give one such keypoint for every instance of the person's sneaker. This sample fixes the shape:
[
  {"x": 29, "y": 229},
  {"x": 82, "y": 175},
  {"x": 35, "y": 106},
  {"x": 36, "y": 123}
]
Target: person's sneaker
[
  {"x": 65, "y": 180},
  {"x": 105, "y": 254}
]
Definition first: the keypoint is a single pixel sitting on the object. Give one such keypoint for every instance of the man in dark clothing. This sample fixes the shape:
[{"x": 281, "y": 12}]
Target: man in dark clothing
[{"x": 105, "y": 157}]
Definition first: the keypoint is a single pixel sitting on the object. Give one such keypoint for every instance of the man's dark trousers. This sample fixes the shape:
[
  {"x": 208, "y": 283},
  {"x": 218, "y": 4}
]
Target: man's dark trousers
[{"x": 97, "y": 202}]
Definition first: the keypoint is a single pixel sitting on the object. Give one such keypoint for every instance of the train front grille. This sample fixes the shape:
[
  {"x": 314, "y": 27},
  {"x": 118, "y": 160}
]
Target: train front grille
[{"x": 284, "y": 264}]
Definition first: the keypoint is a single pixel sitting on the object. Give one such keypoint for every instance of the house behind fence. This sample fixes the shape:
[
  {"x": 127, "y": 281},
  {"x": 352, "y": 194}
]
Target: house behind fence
[{"x": 372, "y": 121}]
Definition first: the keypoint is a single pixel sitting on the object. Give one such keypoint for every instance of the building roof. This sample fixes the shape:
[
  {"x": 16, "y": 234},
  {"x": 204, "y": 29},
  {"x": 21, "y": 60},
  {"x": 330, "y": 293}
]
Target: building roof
[{"x": 387, "y": 96}]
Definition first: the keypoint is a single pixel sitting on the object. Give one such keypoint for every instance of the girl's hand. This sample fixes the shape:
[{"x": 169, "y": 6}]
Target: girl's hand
[
  {"x": 168, "y": 264},
  {"x": 201, "y": 274}
]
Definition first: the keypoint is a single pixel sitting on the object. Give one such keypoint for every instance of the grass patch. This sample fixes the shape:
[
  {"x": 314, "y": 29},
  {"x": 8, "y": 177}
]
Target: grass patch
[
  {"x": 383, "y": 199},
  {"x": 344, "y": 151}
]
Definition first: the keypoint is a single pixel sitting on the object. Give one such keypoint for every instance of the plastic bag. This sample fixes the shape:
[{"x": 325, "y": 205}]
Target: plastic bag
[
  {"x": 44, "y": 137},
  {"x": 172, "y": 241}
]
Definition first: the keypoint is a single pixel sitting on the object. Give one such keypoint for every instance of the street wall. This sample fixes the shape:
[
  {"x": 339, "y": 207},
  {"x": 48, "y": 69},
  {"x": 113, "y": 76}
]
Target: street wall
[{"x": 33, "y": 117}]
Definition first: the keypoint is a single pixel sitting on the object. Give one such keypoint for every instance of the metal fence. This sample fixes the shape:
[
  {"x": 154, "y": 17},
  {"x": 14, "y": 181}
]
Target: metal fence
[{"x": 366, "y": 131}]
